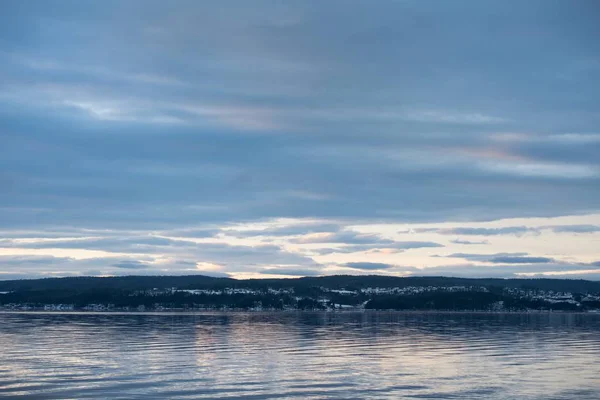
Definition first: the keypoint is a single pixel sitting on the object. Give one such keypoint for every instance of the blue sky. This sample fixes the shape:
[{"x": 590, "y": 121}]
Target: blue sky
[{"x": 268, "y": 138}]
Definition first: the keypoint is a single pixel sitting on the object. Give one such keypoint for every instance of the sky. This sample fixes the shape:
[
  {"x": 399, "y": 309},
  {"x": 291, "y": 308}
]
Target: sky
[{"x": 281, "y": 139}]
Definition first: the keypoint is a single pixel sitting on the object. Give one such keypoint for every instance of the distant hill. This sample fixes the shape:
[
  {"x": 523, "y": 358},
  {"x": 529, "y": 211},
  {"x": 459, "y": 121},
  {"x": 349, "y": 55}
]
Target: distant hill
[
  {"x": 333, "y": 282},
  {"x": 194, "y": 292}
]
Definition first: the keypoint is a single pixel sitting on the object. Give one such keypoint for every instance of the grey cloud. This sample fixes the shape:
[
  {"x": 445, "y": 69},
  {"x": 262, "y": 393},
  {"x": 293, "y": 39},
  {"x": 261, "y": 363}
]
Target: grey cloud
[
  {"x": 341, "y": 250},
  {"x": 247, "y": 255},
  {"x": 520, "y": 260},
  {"x": 374, "y": 247},
  {"x": 193, "y": 233},
  {"x": 18, "y": 260},
  {"x": 114, "y": 244},
  {"x": 221, "y": 252},
  {"x": 575, "y": 228},
  {"x": 215, "y": 274},
  {"x": 507, "y": 270},
  {"x": 346, "y": 236},
  {"x": 26, "y": 266},
  {"x": 224, "y": 114},
  {"x": 484, "y": 257},
  {"x": 512, "y": 230},
  {"x": 208, "y": 252},
  {"x": 367, "y": 266},
  {"x": 468, "y": 231},
  {"x": 586, "y": 276},
  {"x": 351, "y": 249},
  {"x": 567, "y": 148},
  {"x": 233, "y": 258},
  {"x": 363, "y": 241},
  {"x": 289, "y": 230},
  {"x": 291, "y": 272},
  {"x": 423, "y": 230},
  {"x": 460, "y": 241},
  {"x": 187, "y": 263},
  {"x": 49, "y": 265},
  {"x": 46, "y": 234},
  {"x": 131, "y": 265},
  {"x": 503, "y": 258},
  {"x": 274, "y": 132},
  {"x": 414, "y": 245}
]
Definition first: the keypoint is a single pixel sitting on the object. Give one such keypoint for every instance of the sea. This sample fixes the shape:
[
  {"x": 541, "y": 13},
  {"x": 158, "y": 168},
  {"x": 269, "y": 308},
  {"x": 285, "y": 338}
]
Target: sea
[{"x": 299, "y": 355}]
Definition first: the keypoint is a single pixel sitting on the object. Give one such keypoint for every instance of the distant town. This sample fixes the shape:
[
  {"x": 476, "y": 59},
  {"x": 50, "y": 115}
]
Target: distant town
[{"x": 335, "y": 293}]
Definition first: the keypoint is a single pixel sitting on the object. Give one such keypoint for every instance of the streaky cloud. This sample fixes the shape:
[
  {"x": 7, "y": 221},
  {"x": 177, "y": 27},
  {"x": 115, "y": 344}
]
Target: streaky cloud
[
  {"x": 368, "y": 266},
  {"x": 291, "y": 272},
  {"x": 469, "y": 242},
  {"x": 575, "y": 228},
  {"x": 471, "y": 231},
  {"x": 520, "y": 260}
]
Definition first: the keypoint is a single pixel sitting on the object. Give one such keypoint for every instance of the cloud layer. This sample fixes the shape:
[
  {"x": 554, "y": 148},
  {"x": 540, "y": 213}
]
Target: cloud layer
[{"x": 265, "y": 136}]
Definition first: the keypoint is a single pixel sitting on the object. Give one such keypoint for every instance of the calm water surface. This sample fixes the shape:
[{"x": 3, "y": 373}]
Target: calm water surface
[{"x": 300, "y": 356}]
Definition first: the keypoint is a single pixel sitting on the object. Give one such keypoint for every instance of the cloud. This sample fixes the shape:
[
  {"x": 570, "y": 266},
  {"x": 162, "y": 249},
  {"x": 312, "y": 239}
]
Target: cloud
[
  {"x": 442, "y": 116},
  {"x": 593, "y": 275},
  {"x": 484, "y": 257},
  {"x": 389, "y": 247},
  {"x": 368, "y": 266},
  {"x": 470, "y": 231},
  {"x": 544, "y": 170},
  {"x": 19, "y": 260},
  {"x": 165, "y": 256},
  {"x": 575, "y": 228},
  {"x": 460, "y": 241},
  {"x": 265, "y": 124},
  {"x": 510, "y": 230},
  {"x": 40, "y": 266},
  {"x": 218, "y": 252},
  {"x": 218, "y": 120},
  {"x": 131, "y": 265},
  {"x": 356, "y": 242},
  {"x": 291, "y": 272},
  {"x": 192, "y": 233},
  {"x": 117, "y": 244},
  {"x": 547, "y": 270},
  {"x": 346, "y": 236},
  {"x": 286, "y": 230},
  {"x": 519, "y": 260},
  {"x": 503, "y": 258},
  {"x": 27, "y": 267},
  {"x": 414, "y": 245}
]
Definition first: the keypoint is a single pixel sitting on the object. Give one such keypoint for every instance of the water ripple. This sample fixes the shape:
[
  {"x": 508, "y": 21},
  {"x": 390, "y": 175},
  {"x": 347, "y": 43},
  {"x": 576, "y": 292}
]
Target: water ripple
[{"x": 299, "y": 355}]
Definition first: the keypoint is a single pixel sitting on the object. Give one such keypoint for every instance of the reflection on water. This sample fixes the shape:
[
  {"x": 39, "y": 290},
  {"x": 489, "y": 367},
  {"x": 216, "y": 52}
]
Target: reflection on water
[{"x": 303, "y": 355}]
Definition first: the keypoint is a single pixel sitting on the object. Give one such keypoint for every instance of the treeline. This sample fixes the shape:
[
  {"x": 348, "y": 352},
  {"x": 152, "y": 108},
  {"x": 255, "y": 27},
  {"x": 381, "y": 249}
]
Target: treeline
[
  {"x": 440, "y": 300},
  {"x": 300, "y": 285},
  {"x": 307, "y": 293},
  {"x": 476, "y": 301},
  {"x": 119, "y": 299}
]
